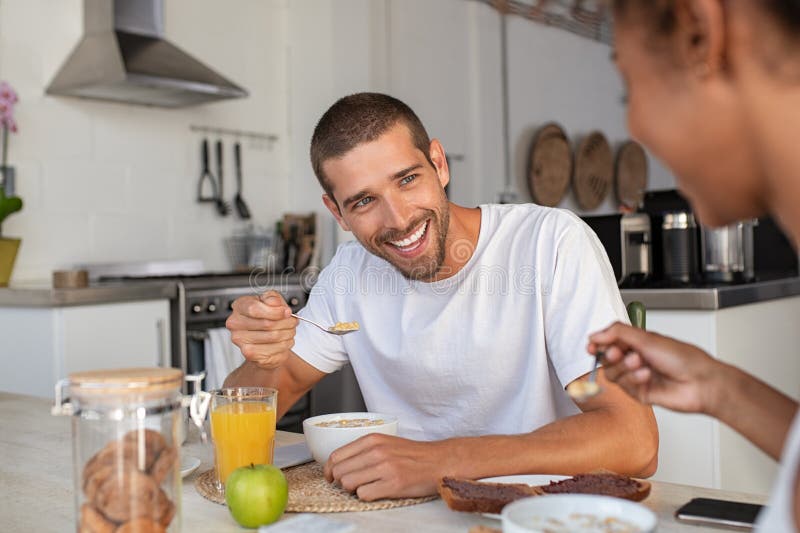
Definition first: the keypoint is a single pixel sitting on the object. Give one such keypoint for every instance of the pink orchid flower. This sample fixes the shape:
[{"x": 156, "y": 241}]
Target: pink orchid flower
[
  {"x": 8, "y": 97},
  {"x": 7, "y": 94}
]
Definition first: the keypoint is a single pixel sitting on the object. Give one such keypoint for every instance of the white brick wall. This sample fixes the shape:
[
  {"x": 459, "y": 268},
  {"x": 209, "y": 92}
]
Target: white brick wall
[{"x": 115, "y": 182}]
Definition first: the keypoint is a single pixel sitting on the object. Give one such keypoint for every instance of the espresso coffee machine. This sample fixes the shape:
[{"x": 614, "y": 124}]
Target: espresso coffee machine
[
  {"x": 628, "y": 243},
  {"x": 637, "y": 257},
  {"x": 663, "y": 247},
  {"x": 688, "y": 254}
]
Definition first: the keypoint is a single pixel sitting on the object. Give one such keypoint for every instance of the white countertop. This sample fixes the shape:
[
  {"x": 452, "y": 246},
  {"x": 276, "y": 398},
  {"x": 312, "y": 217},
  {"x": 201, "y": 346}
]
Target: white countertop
[
  {"x": 36, "y": 476},
  {"x": 43, "y": 295},
  {"x": 714, "y": 298}
]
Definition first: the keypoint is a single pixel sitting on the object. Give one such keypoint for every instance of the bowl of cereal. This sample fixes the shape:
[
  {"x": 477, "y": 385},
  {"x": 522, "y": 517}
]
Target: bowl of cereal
[
  {"x": 326, "y": 433},
  {"x": 577, "y": 513}
]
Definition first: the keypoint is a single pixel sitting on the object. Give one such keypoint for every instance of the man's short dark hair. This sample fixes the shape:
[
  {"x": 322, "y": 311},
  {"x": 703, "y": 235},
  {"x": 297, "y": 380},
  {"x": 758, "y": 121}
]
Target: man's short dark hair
[{"x": 361, "y": 118}]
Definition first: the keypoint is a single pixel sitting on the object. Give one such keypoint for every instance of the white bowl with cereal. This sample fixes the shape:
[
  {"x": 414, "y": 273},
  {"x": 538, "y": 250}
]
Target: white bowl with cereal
[
  {"x": 326, "y": 433},
  {"x": 569, "y": 513}
]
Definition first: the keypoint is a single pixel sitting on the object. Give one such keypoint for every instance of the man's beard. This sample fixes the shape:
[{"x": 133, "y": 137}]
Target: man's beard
[{"x": 426, "y": 266}]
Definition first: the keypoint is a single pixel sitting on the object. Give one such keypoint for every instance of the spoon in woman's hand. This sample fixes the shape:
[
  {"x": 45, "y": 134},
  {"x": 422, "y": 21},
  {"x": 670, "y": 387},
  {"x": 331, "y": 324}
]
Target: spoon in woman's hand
[
  {"x": 340, "y": 328},
  {"x": 581, "y": 390}
]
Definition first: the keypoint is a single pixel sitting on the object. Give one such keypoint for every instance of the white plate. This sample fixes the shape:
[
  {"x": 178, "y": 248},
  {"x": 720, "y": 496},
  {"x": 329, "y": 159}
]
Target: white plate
[
  {"x": 530, "y": 479},
  {"x": 575, "y": 512},
  {"x": 189, "y": 464},
  {"x": 294, "y": 454}
]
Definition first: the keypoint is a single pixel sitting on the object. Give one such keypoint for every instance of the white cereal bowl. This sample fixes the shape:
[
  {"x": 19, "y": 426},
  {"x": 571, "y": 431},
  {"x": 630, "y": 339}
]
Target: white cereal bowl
[
  {"x": 574, "y": 513},
  {"x": 324, "y": 440}
]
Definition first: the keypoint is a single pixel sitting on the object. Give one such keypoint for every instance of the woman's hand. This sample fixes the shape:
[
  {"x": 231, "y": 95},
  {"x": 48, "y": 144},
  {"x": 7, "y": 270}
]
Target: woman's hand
[{"x": 659, "y": 370}]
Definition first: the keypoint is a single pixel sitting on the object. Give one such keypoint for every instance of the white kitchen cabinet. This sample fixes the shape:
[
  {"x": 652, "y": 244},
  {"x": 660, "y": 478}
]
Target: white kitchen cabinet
[
  {"x": 431, "y": 67},
  {"x": 761, "y": 338},
  {"x": 429, "y": 58},
  {"x": 39, "y": 346}
]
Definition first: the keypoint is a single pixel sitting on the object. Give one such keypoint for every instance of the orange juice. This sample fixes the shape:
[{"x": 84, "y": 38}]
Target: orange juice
[{"x": 243, "y": 433}]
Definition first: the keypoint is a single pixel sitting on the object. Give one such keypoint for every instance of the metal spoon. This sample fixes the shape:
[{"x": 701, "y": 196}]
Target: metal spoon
[
  {"x": 580, "y": 391},
  {"x": 332, "y": 330}
]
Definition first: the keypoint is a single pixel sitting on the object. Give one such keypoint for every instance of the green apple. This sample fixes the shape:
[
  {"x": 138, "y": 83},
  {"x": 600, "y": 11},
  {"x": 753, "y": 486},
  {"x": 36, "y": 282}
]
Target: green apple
[{"x": 256, "y": 495}]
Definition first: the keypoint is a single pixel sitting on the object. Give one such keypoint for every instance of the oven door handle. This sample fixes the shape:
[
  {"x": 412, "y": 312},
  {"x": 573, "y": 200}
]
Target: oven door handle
[
  {"x": 196, "y": 335},
  {"x": 161, "y": 341}
]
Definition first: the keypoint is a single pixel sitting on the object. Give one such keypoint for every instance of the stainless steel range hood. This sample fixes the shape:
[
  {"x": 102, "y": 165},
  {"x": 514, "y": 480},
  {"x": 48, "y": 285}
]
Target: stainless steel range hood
[{"x": 124, "y": 57}]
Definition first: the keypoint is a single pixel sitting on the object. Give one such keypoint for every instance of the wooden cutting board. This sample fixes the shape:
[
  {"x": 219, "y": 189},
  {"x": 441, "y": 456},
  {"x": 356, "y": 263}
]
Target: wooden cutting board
[
  {"x": 549, "y": 165},
  {"x": 631, "y": 174},
  {"x": 594, "y": 170}
]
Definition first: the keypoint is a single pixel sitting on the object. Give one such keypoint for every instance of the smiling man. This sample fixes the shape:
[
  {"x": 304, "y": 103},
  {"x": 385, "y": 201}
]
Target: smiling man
[{"x": 473, "y": 321}]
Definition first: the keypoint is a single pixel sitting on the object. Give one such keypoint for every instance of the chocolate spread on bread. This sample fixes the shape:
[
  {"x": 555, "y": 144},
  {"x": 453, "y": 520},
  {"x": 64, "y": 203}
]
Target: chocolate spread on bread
[
  {"x": 606, "y": 484},
  {"x": 474, "y": 496},
  {"x": 482, "y": 497}
]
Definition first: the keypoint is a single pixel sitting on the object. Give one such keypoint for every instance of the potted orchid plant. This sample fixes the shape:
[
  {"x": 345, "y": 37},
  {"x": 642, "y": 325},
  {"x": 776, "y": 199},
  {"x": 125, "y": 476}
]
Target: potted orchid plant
[{"x": 8, "y": 202}]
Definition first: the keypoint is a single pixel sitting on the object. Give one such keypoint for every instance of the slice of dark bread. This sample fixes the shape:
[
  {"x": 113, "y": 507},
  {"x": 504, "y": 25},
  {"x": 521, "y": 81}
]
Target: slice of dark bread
[{"x": 481, "y": 497}]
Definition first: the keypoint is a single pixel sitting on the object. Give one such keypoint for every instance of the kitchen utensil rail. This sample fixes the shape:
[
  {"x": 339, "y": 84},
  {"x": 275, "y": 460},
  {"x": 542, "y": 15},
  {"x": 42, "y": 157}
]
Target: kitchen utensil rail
[{"x": 270, "y": 137}]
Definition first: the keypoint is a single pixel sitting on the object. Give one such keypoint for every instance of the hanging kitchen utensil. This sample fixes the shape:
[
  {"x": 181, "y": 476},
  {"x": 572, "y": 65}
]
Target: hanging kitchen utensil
[
  {"x": 223, "y": 207},
  {"x": 631, "y": 174},
  {"x": 241, "y": 205},
  {"x": 549, "y": 165},
  {"x": 206, "y": 176},
  {"x": 594, "y": 170}
]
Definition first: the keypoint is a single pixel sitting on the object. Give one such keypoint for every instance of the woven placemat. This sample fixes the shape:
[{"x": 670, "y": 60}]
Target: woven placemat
[{"x": 309, "y": 492}]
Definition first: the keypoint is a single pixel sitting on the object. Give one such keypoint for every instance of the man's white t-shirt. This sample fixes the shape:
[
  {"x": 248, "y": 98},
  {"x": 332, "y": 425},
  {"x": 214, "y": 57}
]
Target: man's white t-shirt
[{"x": 488, "y": 350}]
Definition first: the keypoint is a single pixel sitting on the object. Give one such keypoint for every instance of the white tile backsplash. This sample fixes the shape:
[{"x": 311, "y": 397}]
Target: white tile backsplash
[{"x": 115, "y": 182}]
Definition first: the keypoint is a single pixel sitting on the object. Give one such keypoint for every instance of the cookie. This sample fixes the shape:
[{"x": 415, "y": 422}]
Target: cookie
[
  {"x": 164, "y": 510},
  {"x": 141, "y": 525},
  {"x": 127, "y": 494},
  {"x": 163, "y": 465},
  {"x": 138, "y": 452},
  {"x": 92, "y": 521},
  {"x": 152, "y": 440},
  {"x": 97, "y": 478}
]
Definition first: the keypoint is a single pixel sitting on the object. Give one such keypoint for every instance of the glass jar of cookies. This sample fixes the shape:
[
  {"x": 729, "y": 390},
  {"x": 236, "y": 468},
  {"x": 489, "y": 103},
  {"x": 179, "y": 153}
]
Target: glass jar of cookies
[{"x": 125, "y": 442}]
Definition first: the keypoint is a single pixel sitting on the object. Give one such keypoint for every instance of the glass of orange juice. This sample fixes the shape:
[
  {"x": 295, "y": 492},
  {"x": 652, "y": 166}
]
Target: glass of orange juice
[{"x": 242, "y": 428}]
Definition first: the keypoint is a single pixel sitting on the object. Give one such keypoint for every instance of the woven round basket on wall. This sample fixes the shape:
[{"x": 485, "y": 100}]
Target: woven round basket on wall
[
  {"x": 309, "y": 492},
  {"x": 549, "y": 165},
  {"x": 594, "y": 171},
  {"x": 630, "y": 178}
]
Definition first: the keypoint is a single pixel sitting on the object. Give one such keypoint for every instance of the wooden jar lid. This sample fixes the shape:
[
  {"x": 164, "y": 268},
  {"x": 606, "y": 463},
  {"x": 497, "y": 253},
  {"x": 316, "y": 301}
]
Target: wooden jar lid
[
  {"x": 631, "y": 174},
  {"x": 125, "y": 381},
  {"x": 594, "y": 170},
  {"x": 549, "y": 165}
]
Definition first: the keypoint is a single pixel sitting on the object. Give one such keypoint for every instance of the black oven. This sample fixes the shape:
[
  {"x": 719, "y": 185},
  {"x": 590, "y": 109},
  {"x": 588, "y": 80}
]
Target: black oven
[{"x": 204, "y": 302}]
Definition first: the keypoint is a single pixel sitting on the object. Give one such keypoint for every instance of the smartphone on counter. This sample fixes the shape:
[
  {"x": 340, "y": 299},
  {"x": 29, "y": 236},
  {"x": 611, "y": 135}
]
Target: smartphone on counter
[{"x": 735, "y": 515}]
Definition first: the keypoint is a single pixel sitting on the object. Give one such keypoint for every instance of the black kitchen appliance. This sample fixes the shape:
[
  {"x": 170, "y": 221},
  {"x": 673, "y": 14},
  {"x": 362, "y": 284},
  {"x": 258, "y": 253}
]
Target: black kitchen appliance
[
  {"x": 773, "y": 257},
  {"x": 627, "y": 240},
  {"x": 726, "y": 253},
  {"x": 679, "y": 248}
]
